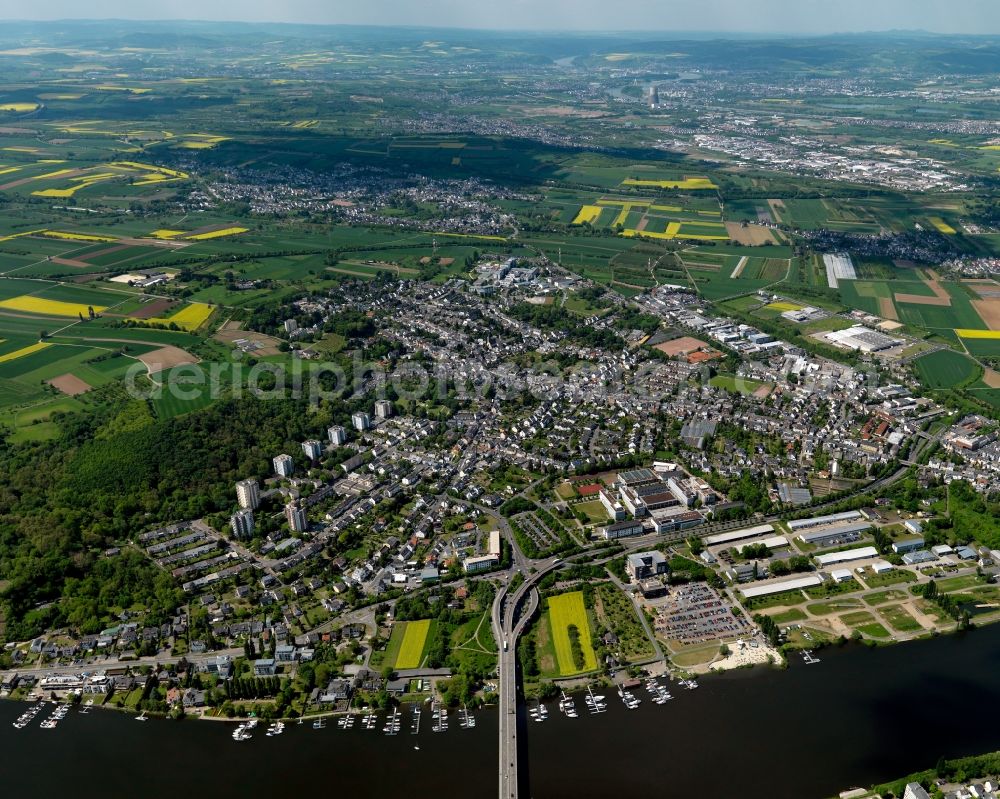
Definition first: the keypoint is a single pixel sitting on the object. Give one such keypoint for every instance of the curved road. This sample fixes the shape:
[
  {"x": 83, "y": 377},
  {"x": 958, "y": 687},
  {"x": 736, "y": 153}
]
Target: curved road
[{"x": 508, "y": 626}]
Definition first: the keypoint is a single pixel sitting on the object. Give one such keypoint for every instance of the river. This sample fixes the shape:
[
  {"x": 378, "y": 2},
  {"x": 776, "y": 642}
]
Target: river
[{"x": 857, "y": 717}]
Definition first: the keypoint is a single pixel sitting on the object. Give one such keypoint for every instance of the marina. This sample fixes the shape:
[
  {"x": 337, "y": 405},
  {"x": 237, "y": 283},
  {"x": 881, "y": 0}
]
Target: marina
[
  {"x": 628, "y": 699},
  {"x": 659, "y": 694},
  {"x": 244, "y": 731},
  {"x": 55, "y": 717},
  {"x": 347, "y": 722},
  {"x": 27, "y": 716},
  {"x": 392, "y": 722},
  {"x": 567, "y": 706},
  {"x": 866, "y": 696},
  {"x": 439, "y": 714},
  {"x": 595, "y": 702}
]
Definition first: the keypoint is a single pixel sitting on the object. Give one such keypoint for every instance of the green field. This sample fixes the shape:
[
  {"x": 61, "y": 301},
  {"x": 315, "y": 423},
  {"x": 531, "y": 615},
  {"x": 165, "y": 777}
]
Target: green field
[
  {"x": 568, "y": 611},
  {"x": 789, "y": 616},
  {"x": 833, "y": 606},
  {"x": 946, "y": 369},
  {"x": 900, "y": 619},
  {"x": 892, "y": 577},
  {"x": 735, "y": 384},
  {"x": 982, "y": 347},
  {"x": 594, "y": 510},
  {"x": 881, "y": 597},
  {"x": 865, "y": 623}
]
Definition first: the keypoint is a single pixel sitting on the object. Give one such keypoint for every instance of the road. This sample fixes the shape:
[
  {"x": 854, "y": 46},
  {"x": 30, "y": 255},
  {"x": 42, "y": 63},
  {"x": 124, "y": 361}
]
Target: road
[
  {"x": 112, "y": 662},
  {"x": 508, "y": 625}
]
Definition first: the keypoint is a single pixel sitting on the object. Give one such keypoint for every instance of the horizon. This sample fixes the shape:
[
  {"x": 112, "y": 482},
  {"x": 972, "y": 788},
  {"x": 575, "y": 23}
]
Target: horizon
[
  {"x": 610, "y": 32},
  {"x": 649, "y": 17}
]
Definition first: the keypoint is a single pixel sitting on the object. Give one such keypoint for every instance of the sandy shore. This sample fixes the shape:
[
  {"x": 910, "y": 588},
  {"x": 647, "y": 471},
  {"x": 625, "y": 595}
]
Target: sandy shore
[{"x": 742, "y": 654}]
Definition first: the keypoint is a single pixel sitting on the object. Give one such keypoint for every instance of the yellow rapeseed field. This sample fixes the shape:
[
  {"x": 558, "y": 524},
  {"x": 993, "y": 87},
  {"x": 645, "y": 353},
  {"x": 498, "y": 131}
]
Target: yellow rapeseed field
[
  {"x": 18, "y": 235},
  {"x": 58, "y": 173},
  {"x": 686, "y": 183},
  {"x": 990, "y": 334},
  {"x": 587, "y": 214},
  {"x": 13, "y": 356},
  {"x": 566, "y": 610},
  {"x": 81, "y": 183},
  {"x": 190, "y": 317},
  {"x": 151, "y": 174},
  {"x": 215, "y": 234},
  {"x": 40, "y": 305},
  {"x": 669, "y": 233},
  {"x": 942, "y": 226},
  {"x": 412, "y": 649},
  {"x": 58, "y": 234}
]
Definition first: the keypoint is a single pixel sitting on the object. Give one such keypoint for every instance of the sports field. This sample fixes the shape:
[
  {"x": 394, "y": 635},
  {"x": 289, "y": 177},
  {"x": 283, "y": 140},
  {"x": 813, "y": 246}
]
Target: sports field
[{"x": 568, "y": 611}]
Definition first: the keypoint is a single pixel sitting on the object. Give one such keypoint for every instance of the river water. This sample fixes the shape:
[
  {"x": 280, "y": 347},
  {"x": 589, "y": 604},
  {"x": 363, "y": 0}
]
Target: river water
[{"x": 857, "y": 717}]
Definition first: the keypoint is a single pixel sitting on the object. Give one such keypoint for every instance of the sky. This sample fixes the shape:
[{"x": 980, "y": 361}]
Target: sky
[{"x": 735, "y": 16}]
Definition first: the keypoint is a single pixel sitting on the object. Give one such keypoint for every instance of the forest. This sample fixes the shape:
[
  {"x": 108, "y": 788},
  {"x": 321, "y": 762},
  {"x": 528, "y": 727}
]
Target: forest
[{"x": 62, "y": 505}]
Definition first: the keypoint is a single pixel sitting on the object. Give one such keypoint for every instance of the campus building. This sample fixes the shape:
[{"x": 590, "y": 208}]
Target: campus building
[
  {"x": 482, "y": 563},
  {"x": 643, "y": 565},
  {"x": 621, "y": 530}
]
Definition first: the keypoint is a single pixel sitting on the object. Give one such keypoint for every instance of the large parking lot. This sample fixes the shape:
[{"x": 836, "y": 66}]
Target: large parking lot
[{"x": 696, "y": 613}]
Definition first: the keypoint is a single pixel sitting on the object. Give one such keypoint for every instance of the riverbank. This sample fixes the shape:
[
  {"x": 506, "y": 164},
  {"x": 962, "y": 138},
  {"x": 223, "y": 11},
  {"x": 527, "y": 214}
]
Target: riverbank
[
  {"x": 836, "y": 723},
  {"x": 746, "y": 654}
]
